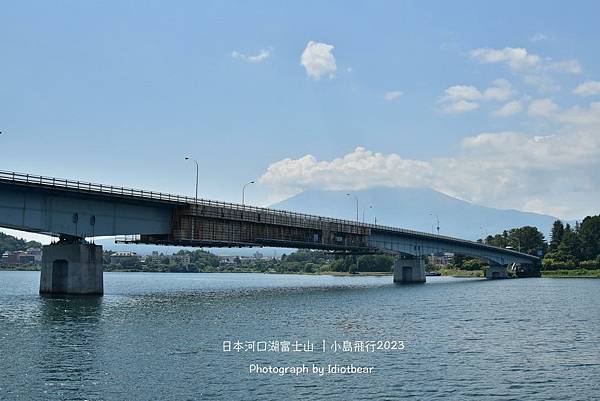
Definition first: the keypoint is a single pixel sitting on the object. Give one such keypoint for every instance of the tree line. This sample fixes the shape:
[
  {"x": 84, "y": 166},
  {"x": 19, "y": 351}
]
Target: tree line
[
  {"x": 573, "y": 247},
  {"x": 569, "y": 247},
  {"x": 8, "y": 243}
]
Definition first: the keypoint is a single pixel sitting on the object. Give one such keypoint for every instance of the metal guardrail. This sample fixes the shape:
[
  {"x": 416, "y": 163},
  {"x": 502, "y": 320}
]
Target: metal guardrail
[{"x": 89, "y": 187}]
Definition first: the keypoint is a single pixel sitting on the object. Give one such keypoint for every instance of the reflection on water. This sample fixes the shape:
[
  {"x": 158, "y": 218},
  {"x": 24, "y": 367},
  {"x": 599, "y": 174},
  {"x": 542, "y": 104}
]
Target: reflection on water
[
  {"x": 67, "y": 351},
  {"x": 160, "y": 336}
]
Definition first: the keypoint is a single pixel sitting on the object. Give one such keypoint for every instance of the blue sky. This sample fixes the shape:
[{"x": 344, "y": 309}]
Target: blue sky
[{"x": 474, "y": 99}]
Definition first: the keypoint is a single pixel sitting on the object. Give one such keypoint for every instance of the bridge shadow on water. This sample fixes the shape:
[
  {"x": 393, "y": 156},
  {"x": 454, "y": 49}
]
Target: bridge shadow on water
[{"x": 62, "y": 308}]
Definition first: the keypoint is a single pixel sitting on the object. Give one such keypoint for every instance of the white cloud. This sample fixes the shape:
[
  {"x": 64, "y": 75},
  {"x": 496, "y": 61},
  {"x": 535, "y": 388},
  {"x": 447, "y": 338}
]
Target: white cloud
[
  {"x": 261, "y": 56},
  {"x": 318, "y": 60},
  {"x": 553, "y": 173},
  {"x": 543, "y": 82},
  {"x": 462, "y": 92},
  {"x": 516, "y": 58},
  {"x": 538, "y": 37},
  {"x": 588, "y": 118},
  {"x": 359, "y": 169},
  {"x": 568, "y": 66},
  {"x": 534, "y": 69},
  {"x": 510, "y": 108},
  {"x": 501, "y": 90},
  {"x": 464, "y": 98},
  {"x": 392, "y": 95},
  {"x": 542, "y": 108},
  {"x": 588, "y": 88},
  {"x": 460, "y": 106}
]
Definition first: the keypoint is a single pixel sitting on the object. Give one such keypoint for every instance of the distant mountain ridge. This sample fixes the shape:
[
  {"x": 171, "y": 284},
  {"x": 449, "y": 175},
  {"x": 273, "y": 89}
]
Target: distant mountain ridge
[{"x": 416, "y": 209}]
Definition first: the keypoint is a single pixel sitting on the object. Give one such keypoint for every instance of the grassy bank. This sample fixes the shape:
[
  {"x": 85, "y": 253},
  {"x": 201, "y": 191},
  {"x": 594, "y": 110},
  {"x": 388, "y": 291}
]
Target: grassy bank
[
  {"x": 333, "y": 273},
  {"x": 461, "y": 273},
  {"x": 575, "y": 273},
  {"x": 241, "y": 270},
  {"x": 20, "y": 268}
]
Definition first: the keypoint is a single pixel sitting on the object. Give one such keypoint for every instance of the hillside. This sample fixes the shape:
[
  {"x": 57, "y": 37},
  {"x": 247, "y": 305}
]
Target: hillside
[{"x": 415, "y": 208}]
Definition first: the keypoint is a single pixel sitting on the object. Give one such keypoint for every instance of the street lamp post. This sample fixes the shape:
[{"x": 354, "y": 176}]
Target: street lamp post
[
  {"x": 192, "y": 234},
  {"x": 197, "y": 172},
  {"x": 244, "y": 190},
  {"x": 363, "y": 212},
  {"x": 483, "y": 230},
  {"x": 438, "y": 222},
  {"x": 355, "y": 197}
]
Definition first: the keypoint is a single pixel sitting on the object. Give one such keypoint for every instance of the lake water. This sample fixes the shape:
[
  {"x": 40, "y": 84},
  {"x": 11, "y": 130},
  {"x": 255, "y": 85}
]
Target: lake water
[{"x": 162, "y": 337}]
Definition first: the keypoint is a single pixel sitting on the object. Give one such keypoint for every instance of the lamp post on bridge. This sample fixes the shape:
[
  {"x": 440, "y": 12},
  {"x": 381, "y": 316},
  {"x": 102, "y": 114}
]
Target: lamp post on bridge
[
  {"x": 363, "y": 212},
  {"x": 197, "y": 172},
  {"x": 482, "y": 230},
  {"x": 244, "y": 190},
  {"x": 438, "y": 222},
  {"x": 355, "y": 197}
]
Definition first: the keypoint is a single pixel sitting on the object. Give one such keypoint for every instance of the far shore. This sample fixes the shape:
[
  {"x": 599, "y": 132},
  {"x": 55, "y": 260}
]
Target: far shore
[{"x": 576, "y": 273}]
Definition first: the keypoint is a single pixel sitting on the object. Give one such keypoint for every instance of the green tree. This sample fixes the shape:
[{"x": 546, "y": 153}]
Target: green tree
[
  {"x": 8, "y": 243},
  {"x": 558, "y": 232},
  {"x": 458, "y": 261},
  {"x": 569, "y": 249},
  {"x": 527, "y": 239},
  {"x": 343, "y": 263},
  {"x": 499, "y": 240},
  {"x": 589, "y": 236},
  {"x": 474, "y": 264},
  {"x": 375, "y": 263}
]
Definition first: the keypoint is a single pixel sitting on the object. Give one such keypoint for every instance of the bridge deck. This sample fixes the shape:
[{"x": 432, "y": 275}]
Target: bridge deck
[{"x": 195, "y": 216}]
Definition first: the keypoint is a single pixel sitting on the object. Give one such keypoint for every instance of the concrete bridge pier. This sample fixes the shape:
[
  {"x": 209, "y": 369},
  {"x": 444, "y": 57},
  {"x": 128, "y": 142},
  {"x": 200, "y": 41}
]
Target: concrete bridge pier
[
  {"x": 72, "y": 268},
  {"x": 409, "y": 270},
  {"x": 496, "y": 271}
]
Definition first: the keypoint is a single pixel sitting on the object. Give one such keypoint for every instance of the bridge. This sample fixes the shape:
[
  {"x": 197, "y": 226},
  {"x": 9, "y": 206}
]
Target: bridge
[{"x": 74, "y": 210}]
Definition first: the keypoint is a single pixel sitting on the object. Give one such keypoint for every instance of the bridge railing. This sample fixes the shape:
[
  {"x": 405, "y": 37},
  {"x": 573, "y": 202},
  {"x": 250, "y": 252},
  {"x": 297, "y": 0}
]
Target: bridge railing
[{"x": 91, "y": 187}]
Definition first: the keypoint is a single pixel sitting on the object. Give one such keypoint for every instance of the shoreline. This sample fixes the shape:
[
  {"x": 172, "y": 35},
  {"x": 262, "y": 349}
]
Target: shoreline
[
  {"x": 577, "y": 273},
  {"x": 323, "y": 273}
]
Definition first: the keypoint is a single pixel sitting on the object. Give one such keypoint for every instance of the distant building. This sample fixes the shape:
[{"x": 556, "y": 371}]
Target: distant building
[
  {"x": 26, "y": 259},
  {"x": 36, "y": 253},
  {"x": 258, "y": 255},
  {"x": 32, "y": 256},
  {"x": 119, "y": 258},
  {"x": 183, "y": 259},
  {"x": 441, "y": 259},
  {"x": 155, "y": 257},
  {"x": 228, "y": 260}
]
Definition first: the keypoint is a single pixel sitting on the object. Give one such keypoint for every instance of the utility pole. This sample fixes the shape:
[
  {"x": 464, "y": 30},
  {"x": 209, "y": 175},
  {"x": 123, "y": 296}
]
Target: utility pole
[
  {"x": 244, "y": 190},
  {"x": 363, "y": 213},
  {"x": 438, "y": 222},
  {"x": 355, "y": 197},
  {"x": 197, "y": 172}
]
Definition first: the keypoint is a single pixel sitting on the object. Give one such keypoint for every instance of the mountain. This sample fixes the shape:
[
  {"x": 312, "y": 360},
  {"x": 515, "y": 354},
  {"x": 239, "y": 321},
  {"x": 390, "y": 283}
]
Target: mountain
[{"x": 416, "y": 209}]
